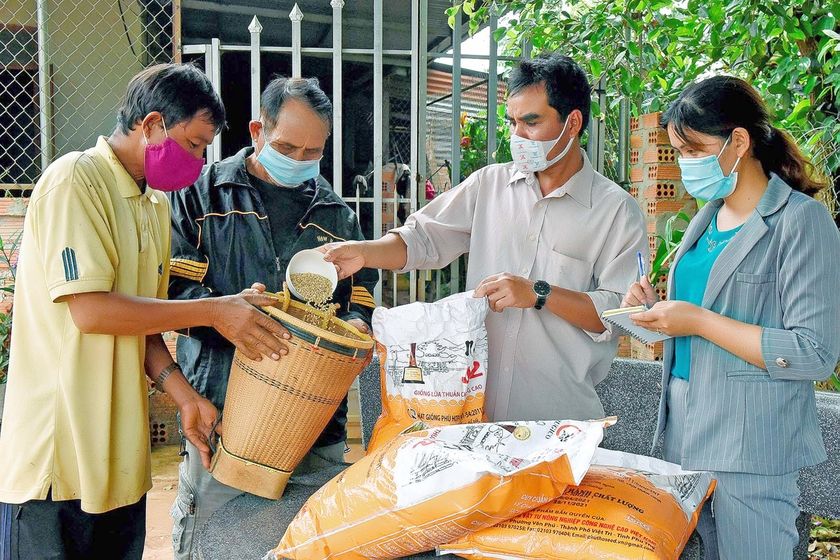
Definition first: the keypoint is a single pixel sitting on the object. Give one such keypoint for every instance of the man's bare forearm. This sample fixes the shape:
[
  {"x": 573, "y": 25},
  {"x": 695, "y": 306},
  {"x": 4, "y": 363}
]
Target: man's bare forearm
[
  {"x": 158, "y": 358},
  {"x": 388, "y": 253},
  {"x": 576, "y": 308},
  {"x": 121, "y": 315}
]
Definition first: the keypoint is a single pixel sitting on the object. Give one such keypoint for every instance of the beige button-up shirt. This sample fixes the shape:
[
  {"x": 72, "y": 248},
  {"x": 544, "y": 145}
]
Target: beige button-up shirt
[{"x": 583, "y": 236}]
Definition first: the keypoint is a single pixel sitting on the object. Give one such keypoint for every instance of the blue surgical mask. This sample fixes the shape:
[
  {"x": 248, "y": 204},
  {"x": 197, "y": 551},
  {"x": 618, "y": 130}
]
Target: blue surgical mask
[
  {"x": 703, "y": 177},
  {"x": 285, "y": 170}
]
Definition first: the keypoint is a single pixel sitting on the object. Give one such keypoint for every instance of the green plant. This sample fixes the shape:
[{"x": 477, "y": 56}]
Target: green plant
[
  {"x": 668, "y": 245},
  {"x": 474, "y": 141},
  {"x": 7, "y": 252},
  {"x": 648, "y": 51},
  {"x": 832, "y": 383},
  {"x": 825, "y": 539}
]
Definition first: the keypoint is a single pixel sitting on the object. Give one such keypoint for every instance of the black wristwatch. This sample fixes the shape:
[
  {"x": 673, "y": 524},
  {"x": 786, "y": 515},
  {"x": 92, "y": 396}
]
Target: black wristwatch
[{"x": 543, "y": 290}]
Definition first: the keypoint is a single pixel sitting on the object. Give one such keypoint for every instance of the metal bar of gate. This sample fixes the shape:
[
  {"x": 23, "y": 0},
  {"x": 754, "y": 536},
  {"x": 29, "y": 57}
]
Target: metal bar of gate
[
  {"x": 216, "y": 80},
  {"x": 176, "y": 31},
  {"x": 492, "y": 89},
  {"x": 44, "y": 99},
  {"x": 595, "y": 145},
  {"x": 377, "y": 131},
  {"x": 255, "y": 28},
  {"x": 624, "y": 129},
  {"x": 296, "y": 16},
  {"x": 415, "y": 125},
  {"x": 455, "y": 269},
  {"x": 338, "y": 101},
  {"x": 420, "y": 115}
]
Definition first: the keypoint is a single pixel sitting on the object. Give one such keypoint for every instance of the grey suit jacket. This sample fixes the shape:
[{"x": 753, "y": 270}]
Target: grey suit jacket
[{"x": 781, "y": 271}]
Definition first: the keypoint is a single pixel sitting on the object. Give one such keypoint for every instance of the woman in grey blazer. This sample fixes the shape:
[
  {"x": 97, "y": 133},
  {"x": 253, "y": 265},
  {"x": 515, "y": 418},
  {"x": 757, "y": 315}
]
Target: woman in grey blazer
[{"x": 754, "y": 309}]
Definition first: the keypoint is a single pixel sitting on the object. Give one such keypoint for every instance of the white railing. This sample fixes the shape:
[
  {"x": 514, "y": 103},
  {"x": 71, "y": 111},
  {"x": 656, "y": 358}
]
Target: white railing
[
  {"x": 419, "y": 56},
  {"x": 212, "y": 64}
]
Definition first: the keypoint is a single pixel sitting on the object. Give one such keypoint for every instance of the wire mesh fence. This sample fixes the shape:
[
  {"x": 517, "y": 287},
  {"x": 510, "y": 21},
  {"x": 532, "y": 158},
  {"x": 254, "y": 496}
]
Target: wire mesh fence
[{"x": 64, "y": 65}]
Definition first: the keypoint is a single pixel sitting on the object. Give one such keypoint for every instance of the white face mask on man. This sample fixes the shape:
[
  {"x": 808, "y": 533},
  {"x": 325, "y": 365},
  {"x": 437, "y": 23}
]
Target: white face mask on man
[{"x": 531, "y": 156}]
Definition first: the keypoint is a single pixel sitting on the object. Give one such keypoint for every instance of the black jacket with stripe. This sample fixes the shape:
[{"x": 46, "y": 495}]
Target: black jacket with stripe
[{"x": 222, "y": 243}]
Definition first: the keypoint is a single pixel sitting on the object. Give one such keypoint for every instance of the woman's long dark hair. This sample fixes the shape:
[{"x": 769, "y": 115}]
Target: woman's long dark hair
[{"x": 718, "y": 105}]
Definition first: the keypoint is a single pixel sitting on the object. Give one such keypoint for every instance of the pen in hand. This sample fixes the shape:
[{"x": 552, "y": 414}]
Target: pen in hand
[{"x": 642, "y": 273}]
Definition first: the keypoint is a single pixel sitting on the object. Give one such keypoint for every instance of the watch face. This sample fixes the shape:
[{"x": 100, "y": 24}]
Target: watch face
[{"x": 542, "y": 288}]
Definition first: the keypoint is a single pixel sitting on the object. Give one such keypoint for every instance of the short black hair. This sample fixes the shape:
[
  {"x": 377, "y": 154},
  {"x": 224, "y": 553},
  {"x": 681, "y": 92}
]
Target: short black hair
[
  {"x": 178, "y": 91},
  {"x": 307, "y": 90},
  {"x": 565, "y": 83}
]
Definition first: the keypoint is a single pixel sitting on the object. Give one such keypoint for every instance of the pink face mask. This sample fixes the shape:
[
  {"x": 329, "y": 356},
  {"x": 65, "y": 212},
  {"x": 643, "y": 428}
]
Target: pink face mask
[{"x": 168, "y": 166}]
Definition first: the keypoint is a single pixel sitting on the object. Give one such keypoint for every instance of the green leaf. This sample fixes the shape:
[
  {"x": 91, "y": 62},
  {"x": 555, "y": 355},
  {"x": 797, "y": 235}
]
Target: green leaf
[
  {"x": 596, "y": 68},
  {"x": 797, "y": 35},
  {"x": 452, "y": 12},
  {"x": 716, "y": 13},
  {"x": 778, "y": 88},
  {"x": 468, "y": 7},
  {"x": 833, "y": 34},
  {"x": 825, "y": 23},
  {"x": 801, "y": 107}
]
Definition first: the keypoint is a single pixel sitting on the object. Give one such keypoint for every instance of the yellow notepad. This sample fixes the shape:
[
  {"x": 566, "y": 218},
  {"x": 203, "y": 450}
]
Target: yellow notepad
[{"x": 621, "y": 318}]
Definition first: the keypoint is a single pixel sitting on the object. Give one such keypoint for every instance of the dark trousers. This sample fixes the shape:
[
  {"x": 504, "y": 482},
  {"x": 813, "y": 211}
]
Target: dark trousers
[{"x": 48, "y": 530}]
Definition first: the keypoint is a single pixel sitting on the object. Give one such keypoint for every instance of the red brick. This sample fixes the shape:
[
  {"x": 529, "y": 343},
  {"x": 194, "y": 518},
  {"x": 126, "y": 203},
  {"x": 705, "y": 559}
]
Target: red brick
[
  {"x": 663, "y": 189},
  {"x": 171, "y": 339},
  {"x": 641, "y": 351},
  {"x": 163, "y": 422},
  {"x": 653, "y": 243},
  {"x": 658, "y": 206},
  {"x": 663, "y": 171},
  {"x": 650, "y": 120},
  {"x": 634, "y": 124},
  {"x": 637, "y": 141},
  {"x": 624, "y": 346},
  {"x": 657, "y": 137},
  {"x": 659, "y": 154}
]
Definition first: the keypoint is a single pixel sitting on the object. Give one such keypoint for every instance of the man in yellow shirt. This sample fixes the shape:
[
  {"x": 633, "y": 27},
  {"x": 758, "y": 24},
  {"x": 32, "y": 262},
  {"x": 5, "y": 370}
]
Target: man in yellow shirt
[{"x": 91, "y": 281}]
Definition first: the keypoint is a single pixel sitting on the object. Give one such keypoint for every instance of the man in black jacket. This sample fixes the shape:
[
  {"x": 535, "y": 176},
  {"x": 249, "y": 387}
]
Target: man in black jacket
[{"x": 237, "y": 228}]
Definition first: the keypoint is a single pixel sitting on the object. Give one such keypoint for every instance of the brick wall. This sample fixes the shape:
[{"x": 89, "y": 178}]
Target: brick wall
[{"x": 656, "y": 185}]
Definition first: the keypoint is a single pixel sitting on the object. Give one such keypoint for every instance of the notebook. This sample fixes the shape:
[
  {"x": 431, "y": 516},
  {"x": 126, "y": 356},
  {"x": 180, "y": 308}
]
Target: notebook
[{"x": 621, "y": 318}]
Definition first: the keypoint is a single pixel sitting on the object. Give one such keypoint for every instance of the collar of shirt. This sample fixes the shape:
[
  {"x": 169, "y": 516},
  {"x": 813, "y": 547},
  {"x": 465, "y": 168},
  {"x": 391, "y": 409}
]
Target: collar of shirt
[
  {"x": 126, "y": 185},
  {"x": 579, "y": 185}
]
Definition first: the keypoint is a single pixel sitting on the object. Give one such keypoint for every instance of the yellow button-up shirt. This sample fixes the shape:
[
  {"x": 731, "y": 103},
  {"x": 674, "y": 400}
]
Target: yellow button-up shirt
[{"x": 76, "y": 413}]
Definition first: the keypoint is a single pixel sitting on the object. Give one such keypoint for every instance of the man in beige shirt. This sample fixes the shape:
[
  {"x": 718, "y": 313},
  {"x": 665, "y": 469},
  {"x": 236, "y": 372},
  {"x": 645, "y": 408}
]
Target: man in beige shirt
[{"x": 552, "y": 244}]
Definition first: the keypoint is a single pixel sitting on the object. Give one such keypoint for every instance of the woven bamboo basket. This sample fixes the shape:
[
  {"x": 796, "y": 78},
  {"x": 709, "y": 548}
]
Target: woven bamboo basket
[{"x": 275, "y": 410}]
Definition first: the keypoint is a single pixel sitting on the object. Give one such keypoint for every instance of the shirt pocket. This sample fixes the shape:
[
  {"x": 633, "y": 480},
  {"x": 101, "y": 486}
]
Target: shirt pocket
[
  {"x": 568, "y": 272},
  {"x": 755, "y": 375},
  {"x": 754, "y": 298},
  {"x": 749, "y": 278}
]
